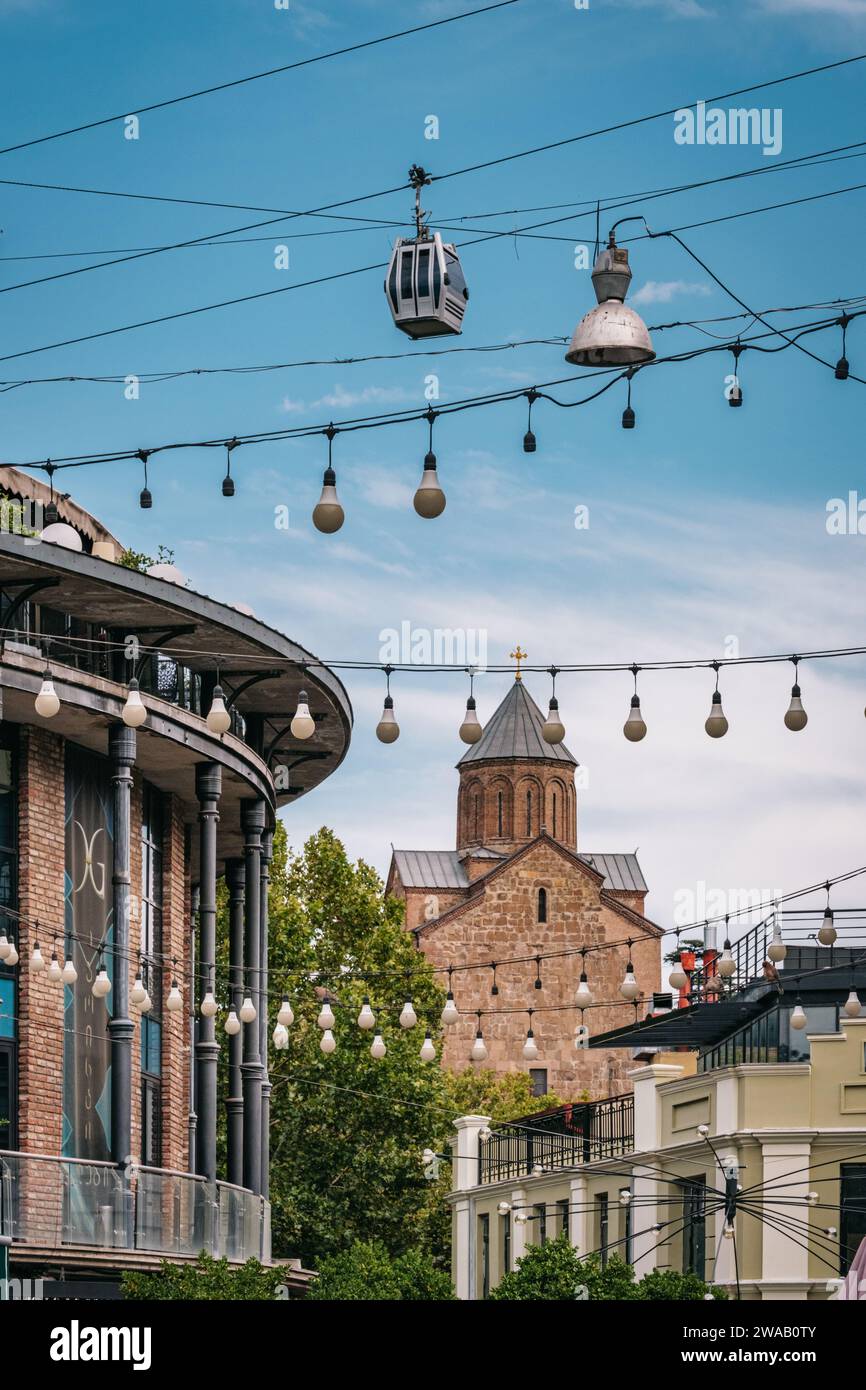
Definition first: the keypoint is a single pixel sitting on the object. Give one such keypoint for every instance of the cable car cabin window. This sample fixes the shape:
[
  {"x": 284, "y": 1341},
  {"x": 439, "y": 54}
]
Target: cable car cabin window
[
  {"x": 424, "y": 273},
  {"x": 454, "y": 271},
  {"x": 392, "y": 286},
  {"x": 407, "y": 264},
  {"x": 437, "y": 281}
]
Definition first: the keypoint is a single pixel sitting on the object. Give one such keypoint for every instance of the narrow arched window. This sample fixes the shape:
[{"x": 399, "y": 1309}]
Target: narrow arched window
[
  {"x": 499, "y": 812},
  {"x": 542, "y": 904},
  {"x": 554, "y": 815},
  {"x": 529, "y": 813},
  {"x": 476, "y": 815}
]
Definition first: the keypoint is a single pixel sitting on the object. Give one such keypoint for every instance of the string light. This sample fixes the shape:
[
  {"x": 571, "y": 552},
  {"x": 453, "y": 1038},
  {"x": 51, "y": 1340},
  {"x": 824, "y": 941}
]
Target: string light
[
  {"x": 232, "y": 1024},
  {"x": 138, "y": 993},
  {"x": 429, "y": 501},
  {"x": 219, "y": 721},
  {"x": 450, "y": 1013},
  {"x": 735, "y": 393},
  {"x": 628, "y": 415},
  {"x": 285, "y": 1017},
  {"x": 530, "y": 1050},
  {"x": 328, "y": 515},
  {"x": 852, "y": 1005},
  {"x": 377, "y": 1047},
  {"x": 553, "y": 729},
  {"x": 328, "y": 1043},
  {"x": 388, "y": 730},
  {"x": 47, "y": 702},
  {"x": 4, "y": 945},
  {"x": 827, "y": 931},
  {"x": 678, "y": 979},
  {"x": 228, "y": 487},
  {"x": 280, "y": 1037},
  {"x": 796, "y": 717},
  {"x": 408, "y": 1016},
  {"x": 145, "y": 498},
  {"x": 134, "y": 711},
  {"x": 174, "y": 1002},
  {"x": 777, "y": 950},
  {"x": 716, "y": 725},
  {"x": 727, "y": 965},
  {"x": 54, "y": 971},
  {"x": 69, "y": 974},
  {"x": 479, "y": 1051},
  {"x": 798, "y": 1016},
  {"x": 209, "y": 1005},
  {"x": 583, "y": 996},
  {"x": 634, "y": 727},
  {"x": 470, "y": 729},
  {"x": 428, "y": 1050},
  {"x": 529, "y": 441},
  {"x": 102, "y": 984},
  {"x": 841, "y": 369},
  {"x": 37, "y": 960},
  {"x": 303, "y": 724},
  {"x": 629, "y": 989},
  {"x": 326, "y": 1018}
]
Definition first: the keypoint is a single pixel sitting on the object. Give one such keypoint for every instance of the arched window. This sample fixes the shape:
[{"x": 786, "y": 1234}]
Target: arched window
[
  {"x": 554, "y": 815},
  {"x": 529, "y": 813},
  {"x": 499, "y": 813},
  {"x": 476, "y": 815},
  {"x": 542, "y": 904}
]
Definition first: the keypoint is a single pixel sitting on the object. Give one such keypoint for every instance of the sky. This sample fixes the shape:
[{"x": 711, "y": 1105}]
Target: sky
[{"x": 707, "y": 528}]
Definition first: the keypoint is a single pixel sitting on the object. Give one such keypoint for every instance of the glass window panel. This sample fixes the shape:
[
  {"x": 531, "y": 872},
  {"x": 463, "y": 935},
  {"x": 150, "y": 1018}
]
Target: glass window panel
[{"x": 7, "y": 1008}]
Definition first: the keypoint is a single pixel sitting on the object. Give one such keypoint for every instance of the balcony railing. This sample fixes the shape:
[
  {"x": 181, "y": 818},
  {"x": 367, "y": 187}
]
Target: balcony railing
[
  {"x": 67, "y": 1203},
  {"x": 564, "y": 1138},
  {"x": 799, "y": 930}
]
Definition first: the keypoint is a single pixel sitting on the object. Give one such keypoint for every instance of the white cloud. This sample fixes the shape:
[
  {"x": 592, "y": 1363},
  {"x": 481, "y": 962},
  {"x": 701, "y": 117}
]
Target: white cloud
[
  {"x": 341, "y": 399},
  {"x": 846, "y": 9},
  {"x": 663, "y": 291}
]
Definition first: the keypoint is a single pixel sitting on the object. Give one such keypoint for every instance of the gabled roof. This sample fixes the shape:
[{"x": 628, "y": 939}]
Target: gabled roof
[
  {"x": 444, "y": 868},
  {"x": 513, "y": 733},
  {"x": 622, "y": 872}
]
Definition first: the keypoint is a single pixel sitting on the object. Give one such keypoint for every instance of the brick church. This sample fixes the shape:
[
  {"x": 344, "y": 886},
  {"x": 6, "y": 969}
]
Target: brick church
[{"x": 517, "y": 886}]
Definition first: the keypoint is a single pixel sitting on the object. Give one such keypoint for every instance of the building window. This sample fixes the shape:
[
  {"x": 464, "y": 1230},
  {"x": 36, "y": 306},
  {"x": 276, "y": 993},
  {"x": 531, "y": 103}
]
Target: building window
[
  {"x": 484, "y": 1243},
  {"x": 8, "y": 901},
  {"x": 542, "y": 904},
  {"x": 152, "y": 832},
  {"x": 499, "y": 814},
  {"x": 695, "y": 1226},
  {"x": 852, "y": 1202},
  {"x": 540, "y": 1210},
  {"x": 529, "y": 813},
  {"x": 538, "y": 1080},
  {"x": 602, "y": 1209},
  {"x": 562, "y": 1214},
  {"x": 505, "y": 1241},
  {"x": 476, "y": 815},
  {"x": 554, "y": 815}
]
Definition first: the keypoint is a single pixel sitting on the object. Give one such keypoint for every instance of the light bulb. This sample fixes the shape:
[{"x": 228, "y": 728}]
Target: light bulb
[
  {"x": 503, "y": 1208},
  {"x": 55, "y": 973},
  {"x": 530, "y": 1051},
  {"x": 519, "y": 1218},
  {"x": 303, "y": 724},
  {"x": 428, "y": 1051},
  {"x": 4, "y": 945},
  {"x": 280, "y": 1037},
  {"x": 427, "y": 1156},
  {"x": 37, "y": 960},
  {"x": 634, "y": 727},
  {"x": 12, "y": 958},
  {"x": 735, "y": 396},
  {"x": 727, "y": 965},
  {"x": 377, "y": 1047},
  {"x": 408, "y": 1016},
  {"x": 537, "y": 1170},
  {"x": 326, "y": 1015},
  {"x": 841, "y": 369},
  {"x": 174, "y": 1002},
  {"x": 553, "y": 729},
  {"x": 69, "y": 974},
  {"x": 388, "y": 730},
  {"x": 248, "y": 1010},
  {"x": 479, "y": 1051},
  {"x": 47, "y": 701},
  {"x": 208, "y": 1005},
  {"x": 470, "y": 729},
  {"x": 328, "y": 515},
  {"x": 429, "y": 499},
  {"x": 716, "y": 725},
  {"x": 729, "y": 1231},
  {"x": 624, "y": 1196},
  {"x": 328, "y": 1043},
  {"x": 530, "y": 443},
  {"x": 852, "y": 1005},
  {"x": 138, "y": 993},
  {"x": 796, "y": 717},
  {"x": 147, "y": 1004},
  {"x": 134, "y": 712},
  {"x": 102, "y": 984},
  {"x": 798, "y": 1017},
  {"x": 219, "y": 721},
  {"x": 583, "y": 997},
  {"x": 777, "y": 950},
  {"x": 232, "y": 1024},
  {"x": 812, "y": 1199},
  {"x": 366, "y": 1018},
  {"x": 450, "y": 1014},
  {"x": 285, "y": 1016},
  {"x": 678, "y": 979},
  {"x": 629, "y": 989},
  {"x": 628, "y": 418},
  {"x": 827, "y": 932}
]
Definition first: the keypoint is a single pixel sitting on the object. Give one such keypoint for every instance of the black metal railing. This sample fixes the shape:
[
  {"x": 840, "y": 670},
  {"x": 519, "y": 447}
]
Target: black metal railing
[
  {"x": 564, "y": 1138},
  {"x": 799, "y": 933}
]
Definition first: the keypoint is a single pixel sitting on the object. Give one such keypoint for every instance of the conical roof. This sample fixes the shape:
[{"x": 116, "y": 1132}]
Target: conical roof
[{"x": 514, "y": 733}]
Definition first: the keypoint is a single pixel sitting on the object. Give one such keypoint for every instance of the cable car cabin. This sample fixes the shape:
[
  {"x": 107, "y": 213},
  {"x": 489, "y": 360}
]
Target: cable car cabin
[{"x": 425, "y": 287}]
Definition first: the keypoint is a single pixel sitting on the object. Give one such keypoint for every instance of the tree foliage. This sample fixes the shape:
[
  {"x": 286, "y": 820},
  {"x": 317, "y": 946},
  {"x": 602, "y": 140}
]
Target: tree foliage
[
  {"x": 366, "y": 1271},
  {"x": 555, "y": 1271},
  {"x": 207, "y": 1278}
]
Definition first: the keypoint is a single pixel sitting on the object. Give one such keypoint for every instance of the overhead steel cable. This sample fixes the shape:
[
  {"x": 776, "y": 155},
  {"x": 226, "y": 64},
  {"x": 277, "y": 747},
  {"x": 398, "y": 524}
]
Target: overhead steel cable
[{"x": 259, "y": 76}]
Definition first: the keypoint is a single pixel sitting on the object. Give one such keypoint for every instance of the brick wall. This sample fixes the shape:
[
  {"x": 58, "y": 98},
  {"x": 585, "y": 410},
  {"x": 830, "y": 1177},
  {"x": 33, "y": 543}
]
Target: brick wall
[{"x": 528, "y": 790}]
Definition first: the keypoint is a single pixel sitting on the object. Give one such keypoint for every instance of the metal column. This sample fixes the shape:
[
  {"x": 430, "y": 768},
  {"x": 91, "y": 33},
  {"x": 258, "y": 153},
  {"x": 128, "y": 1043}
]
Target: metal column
[
  {"x": 208, "y": 785},
  {"x": 121, "y": 749},
  {"x": 253, "y": 821},
  {"x": 235, "y": 881}
]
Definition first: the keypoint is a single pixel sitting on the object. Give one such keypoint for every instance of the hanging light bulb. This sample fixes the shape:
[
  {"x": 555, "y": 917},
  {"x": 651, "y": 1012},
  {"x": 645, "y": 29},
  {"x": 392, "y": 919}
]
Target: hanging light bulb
[
  {"x": 777, "y": 950},
  {"x": 328, "y": 1043},
  {"x": 553, "y": 729},
  {"x": 583, "y": 997},
  {"x": 326, "y": 1018},
  {"x": 303, "y": 724},
  {"x": 629, "y": 989},
  {"x": 366, "y": 1018},
  {"x": 12, "y": 958},
  {"x": 841, "y": 372},
  {"x": 47, "y": 702},
  {"x": 248, "y": 1011},
  {"x": 727, "y": 965},
  {"x": 530, "y": 1050},
  {"x": 729, "y": 1232},
  {"x": 734, "y": 392},
  {"x": 285, "y": 1016},
  {"x": 174, "y": 1002},
  {"x": 503, "y": 1208},
  {"x": 232, "y": 1024},
  {"x": 428, "y": 1051},
  {"x": 798, "y": 1016},
  {"x": 55, "y": 972},
  {"x": 4, "y": 945},
  {"x": 796, "y": 717},
  {"x": 479, "y": 1051},
  {"x": 328, "y": 515},
  {"x": 134, "y": 711},
  {"x": 209, "y": 1005},
  {"x": 228, "y": 480},
  {"x": 377, "y": 1047},
  {"x": 852, "y": 1005},
  {"x": 68, "y": 974},
  {"x": 219, "y": 721},
  {"x": 678, "y": 979},
  {"x": 147, "y": 1004},
  {"x": 51, "y": 512},
  {"x": 450, "y": 1013},
  {"x": 102, "y": 984},
  {"x": 37, "y": 960},
  {"x": 811, "y": 1199},
  {"x": 388, "y": 730},
  {"x": 827, "y": 931},
  {"x": 716, "y": 725},
  {"x": 145, "y": 501},
  {"x": 611, "y": 334},
  {"x": 634, "y": 727},
  {"x": 280, "y": 1037},
  {"x": 470, "y": 729},
  {"x": 408, "y": 1016},
  {"x": 138, "y": 994},
  {"x": 625, "y": 1196},
  {"x": 628, "y": 416},
  {"x": 430, "y": 499},
  {"x": 529, "y": 441}
]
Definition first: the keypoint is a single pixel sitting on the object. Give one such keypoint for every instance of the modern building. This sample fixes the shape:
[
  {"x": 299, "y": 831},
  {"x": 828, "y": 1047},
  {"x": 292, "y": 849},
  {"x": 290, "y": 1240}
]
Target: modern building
[
  {"x": 113, "y": 834},
  {"x": 517, "y": 886},
  {"x": 739, "y": 1152}
]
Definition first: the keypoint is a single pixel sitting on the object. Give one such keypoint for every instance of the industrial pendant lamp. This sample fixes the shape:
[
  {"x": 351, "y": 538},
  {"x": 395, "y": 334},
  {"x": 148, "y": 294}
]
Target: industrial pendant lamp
[
  {"x": 429, "y": 499},
  {"x": 611, "y": 334},
  {"x": 553, "y": 729},
  {"x": 328, "y": 515},
  {"x": 388, "y": 730}
]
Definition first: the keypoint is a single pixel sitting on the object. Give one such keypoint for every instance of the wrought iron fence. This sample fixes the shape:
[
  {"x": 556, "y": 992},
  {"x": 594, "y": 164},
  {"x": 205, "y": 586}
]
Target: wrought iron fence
[{"x": 564, "y": 1138}]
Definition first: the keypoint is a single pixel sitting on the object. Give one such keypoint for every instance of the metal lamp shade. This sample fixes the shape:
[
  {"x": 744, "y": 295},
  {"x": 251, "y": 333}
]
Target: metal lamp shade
[{"x": 610, "y": 335}]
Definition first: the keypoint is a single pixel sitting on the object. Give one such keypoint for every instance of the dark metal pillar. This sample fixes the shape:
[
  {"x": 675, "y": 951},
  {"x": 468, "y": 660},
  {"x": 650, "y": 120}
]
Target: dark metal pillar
[
  {"x": 264, "y": 1012},
  {"x": 208, "y": 785},
  {"x": 253, "y": 821},
  {"x": 235, "y": 880},
  {"x": 121, "y": 749},
  {"x": 193, "y": 1023}
]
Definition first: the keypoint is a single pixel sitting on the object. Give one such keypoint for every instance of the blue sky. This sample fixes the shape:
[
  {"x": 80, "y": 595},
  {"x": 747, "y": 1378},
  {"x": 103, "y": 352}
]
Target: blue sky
[{"x": 704, "y": 523}]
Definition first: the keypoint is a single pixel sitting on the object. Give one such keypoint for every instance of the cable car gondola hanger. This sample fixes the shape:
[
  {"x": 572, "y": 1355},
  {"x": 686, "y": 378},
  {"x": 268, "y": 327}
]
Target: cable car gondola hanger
[{"x": 424, "y": 286}]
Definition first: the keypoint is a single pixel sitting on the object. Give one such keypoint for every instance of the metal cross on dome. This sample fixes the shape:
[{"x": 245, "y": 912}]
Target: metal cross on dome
[{"x": 518, "y": 655}]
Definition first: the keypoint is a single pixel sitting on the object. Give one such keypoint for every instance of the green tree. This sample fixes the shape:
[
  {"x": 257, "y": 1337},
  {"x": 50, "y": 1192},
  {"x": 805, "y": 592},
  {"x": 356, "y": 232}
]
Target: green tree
[
  {"x": 501, "y": 1095},
  {"x": 669, "y": 1284},
  {"x": 366, "y": 1271},
  {"x": 207, "y": 1278},
  {"x": 555, "y": 1271}
]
